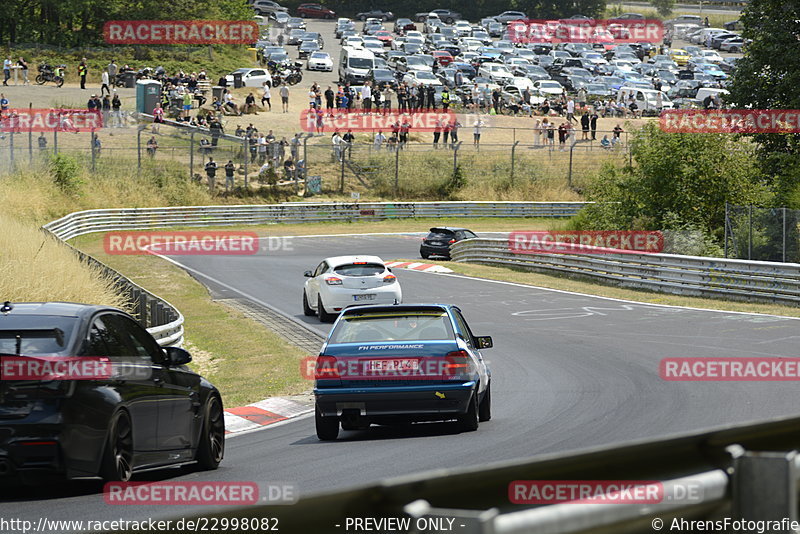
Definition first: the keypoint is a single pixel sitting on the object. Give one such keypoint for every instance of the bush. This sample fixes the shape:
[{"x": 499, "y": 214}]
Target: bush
[{"x": 66, "y": 173}]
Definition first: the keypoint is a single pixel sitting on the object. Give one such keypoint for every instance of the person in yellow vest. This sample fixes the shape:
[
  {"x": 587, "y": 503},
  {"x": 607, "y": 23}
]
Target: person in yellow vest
[
  {"x": 82, "y": 70},
  {"x": 445, "y": 100}
]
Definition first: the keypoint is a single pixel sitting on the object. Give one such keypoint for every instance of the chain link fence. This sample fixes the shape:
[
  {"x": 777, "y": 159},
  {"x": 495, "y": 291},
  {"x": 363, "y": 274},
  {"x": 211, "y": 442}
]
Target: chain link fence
[
  {"x": 417, "y": 168},
  {"x": 763, "y": 234}
]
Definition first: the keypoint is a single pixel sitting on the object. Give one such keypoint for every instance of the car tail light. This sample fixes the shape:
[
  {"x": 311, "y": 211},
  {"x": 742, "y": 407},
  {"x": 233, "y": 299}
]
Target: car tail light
[
  {"x": 333, "y": 281},
  {"x": 389, "y": 279},
  {"x": 458, "y": 364},
  {"x": 326, "y": 367},
  {"x": 452, "y": 241}
]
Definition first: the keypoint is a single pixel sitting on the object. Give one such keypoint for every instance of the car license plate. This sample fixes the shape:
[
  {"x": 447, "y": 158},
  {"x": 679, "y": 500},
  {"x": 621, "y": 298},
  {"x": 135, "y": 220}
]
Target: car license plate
[
  {"x": 363, "y": 297},
  {"x": 394, "y": 365},
  {"x": 436, "y": 243}
]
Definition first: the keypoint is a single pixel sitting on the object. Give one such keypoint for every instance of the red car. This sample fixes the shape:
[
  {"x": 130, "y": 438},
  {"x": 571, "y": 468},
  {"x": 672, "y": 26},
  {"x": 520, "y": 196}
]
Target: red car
[
  {"x": 384, "y": 36},
  {"x": 442, "y": 57},
  {"x": 315, "y": 11}
]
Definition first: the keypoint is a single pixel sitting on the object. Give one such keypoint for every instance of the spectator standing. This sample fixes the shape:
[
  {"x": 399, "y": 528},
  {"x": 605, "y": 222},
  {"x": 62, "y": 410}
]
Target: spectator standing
[
  {"x": 476, "y": 132},
  {"x": 585, "y": 126},
  {"x": 431, "y": 97},
  {"x": 158, "y": 117},
  {"x": 336, "y": 143},
  {"x": 97, "y": 146},
  {"x": 152, "y": 146},
  {"x": 570, "y": 110},
  {"x": 91, "y": 104},
  {"x": 112, "y": 70},
  {"x": 593, "y": 124},
  {"x": 106, "y": 108},
  {"x": 379, "y": 140},
  {"x": 266, "y": 96},
  {"x": 537, "y": 133},
  {"x": 366, "y": 97},
  {"x": 262, "y": 149},
  {"x": 116, "y": 104},
  {"x": 230, "y": 169},
  {"x": 6, "y": 70},
  {"x": 387, "y": 99},
  {"x": 329, "y": 98},
  {"x": 211, "y": 173},
  {"x": 104, "y": 83},
  {"x": 454, "y": 126},
  {"x": 437, "y": 133},
  {"x": 294, "y": 146},
  {"x": 83, "y": 70},
  {"x": 445, "y": 102},
  {"x": 215, "y": 127},
  {"x": 24, "y": 65},
  {"x": 284, "y": 97}
]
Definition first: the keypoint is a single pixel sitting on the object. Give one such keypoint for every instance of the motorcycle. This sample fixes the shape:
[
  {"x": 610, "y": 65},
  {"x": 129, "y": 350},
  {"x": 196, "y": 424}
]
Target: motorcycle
[
  {"x": 290, "y": 75},
  {"x": 50, "y": 74}
]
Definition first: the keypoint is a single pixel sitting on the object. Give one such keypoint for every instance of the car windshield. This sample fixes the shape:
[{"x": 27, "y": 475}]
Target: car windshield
[
  {"x": 393, "y": 326},
  {"x": 425, "y": 75},
  {"x": 320, "y": 55},
  {"x": 359, "y": 269},
  {"x": 360, "y": 63},
  {"x": 37, "y": 334}
]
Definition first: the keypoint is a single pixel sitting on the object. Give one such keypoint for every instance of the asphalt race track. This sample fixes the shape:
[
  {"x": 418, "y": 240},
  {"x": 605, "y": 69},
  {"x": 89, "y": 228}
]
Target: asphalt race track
[{"x": 569, "y": 372}]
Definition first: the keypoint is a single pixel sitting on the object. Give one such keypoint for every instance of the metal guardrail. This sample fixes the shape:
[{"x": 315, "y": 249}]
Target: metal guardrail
[
  {"x": 165, "y": 322},
  {"x": 753, "y": 281},
  {"x": 161, "y": 319},
  {"x": 748, "y": 472},
  {"x": 85, "y": 222}
]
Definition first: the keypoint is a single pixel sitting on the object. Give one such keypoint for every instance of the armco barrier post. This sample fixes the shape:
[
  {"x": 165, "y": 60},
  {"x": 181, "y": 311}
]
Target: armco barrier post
[
  {"x": 765, "y": 487},
  {"x": 191, "y": 155},
  {"x": 396, "y": 171},
  {"x": 513, "y": 151},
  {"x": 30, "y": 138}
]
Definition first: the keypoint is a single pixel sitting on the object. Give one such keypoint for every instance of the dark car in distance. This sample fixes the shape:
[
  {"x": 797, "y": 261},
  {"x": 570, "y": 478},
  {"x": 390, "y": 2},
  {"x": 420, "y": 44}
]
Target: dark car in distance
[
  {"x": 316, "y": 11},
  {"x": 151, "y": 412},
  {"x": 447, "y": 16},
  {"x": 439, "y": 239},
  {"x": 375, "y": 14}
]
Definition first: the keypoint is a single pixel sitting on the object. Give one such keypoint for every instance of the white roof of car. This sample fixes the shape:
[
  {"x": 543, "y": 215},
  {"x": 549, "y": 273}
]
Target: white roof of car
[{"x": 336, "y": 261}]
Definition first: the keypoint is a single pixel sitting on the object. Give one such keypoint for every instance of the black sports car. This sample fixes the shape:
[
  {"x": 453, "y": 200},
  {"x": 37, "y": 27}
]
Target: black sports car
[
  {"x": 438, "y": 241},
  {"x": 150, "y": 412}
]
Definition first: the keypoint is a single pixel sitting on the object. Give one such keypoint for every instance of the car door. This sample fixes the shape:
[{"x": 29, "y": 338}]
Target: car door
[
  {"x": 469, "y": 339},
  {"x": 314, "y": 283},
  {"x": 178, "y": 401},
  {"x": 138, "y": 389}
]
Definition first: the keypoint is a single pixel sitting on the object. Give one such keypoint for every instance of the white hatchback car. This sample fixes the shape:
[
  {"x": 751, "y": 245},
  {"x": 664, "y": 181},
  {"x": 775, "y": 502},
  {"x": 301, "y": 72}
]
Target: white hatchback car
[{"x": 344, "y": 281}]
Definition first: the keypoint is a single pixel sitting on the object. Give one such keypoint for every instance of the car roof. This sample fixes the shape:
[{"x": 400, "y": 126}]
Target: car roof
[
  {"x": 450, "y": 228},
  {"x": 60, "y": 309},
  {"x": 335, "y": 261},
  {"x": 395, "y": 308}
]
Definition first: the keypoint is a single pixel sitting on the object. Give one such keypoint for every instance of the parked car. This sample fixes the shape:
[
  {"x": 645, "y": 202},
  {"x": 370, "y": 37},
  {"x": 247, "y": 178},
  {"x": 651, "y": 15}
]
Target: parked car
[
  {"x": 403, "y": 25},
  {"x": 267, "y": 7},
  {"x": 315, "y": 11},
  {"x": 342, "y": 281},
  {"x": 251, "y": 77},
  {"x": 320, "y": 61},
  {"x": 145, "y": 409},
  {"x": 509, "y": 16},
  {"x": 445, "y": 15},
  {"x": 376, "y": 13}
]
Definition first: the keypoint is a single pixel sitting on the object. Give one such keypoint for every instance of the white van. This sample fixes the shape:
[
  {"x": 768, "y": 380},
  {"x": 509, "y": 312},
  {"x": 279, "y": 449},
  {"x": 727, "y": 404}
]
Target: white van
[
  {"x": 355, "y": 64},
  {"x": 646, "y": 99}
]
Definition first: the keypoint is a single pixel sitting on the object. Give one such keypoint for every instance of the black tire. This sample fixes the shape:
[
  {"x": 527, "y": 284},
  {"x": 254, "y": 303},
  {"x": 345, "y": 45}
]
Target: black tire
[
  {"x": 362, "y": 18},
  {"x": 117, "y": 462},
  {"x": 420, "y": 19},
  {"x": 734, "y": 50},
  {"x": 328, "y": 17},
  {"x": 211, "y": 448},
  {"x": 303, "y": 15},
  {"x": 424, "y": 255},
  {"x": 449, "y": 20},
  {"x": 468, "y": 422},
  {"x": 59, "y": 81},
  {"x": 327, "y": 427},
  {"x": 307, "y": 311},
  {"x": 324, "y": 316},
  {"x": 485, "y": 407},
  {"x": 40, "y": 79}
]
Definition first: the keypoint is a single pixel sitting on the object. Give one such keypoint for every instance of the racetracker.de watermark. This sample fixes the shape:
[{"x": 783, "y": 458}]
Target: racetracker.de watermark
[
  {"x": 180, "y": 32},
  {"x": 381, "y": 368},
  {"x": 603, "y": 491},
  {"x": 585, "y": 242},
  {"x": 730, "y": 121},
  {"x": 331, "y": 120},
  {"x": 24, "y": 120},
  {"x": 47, "y": 368},
  {"x": 601, "y": 32},
  {"x": 187, "y": 243},
  {"x": 730, "y": 369},
  {"x": 199, "y": 493}
]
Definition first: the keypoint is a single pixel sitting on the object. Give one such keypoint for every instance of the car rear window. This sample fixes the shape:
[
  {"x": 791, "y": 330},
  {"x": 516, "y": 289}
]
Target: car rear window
[
  {"x": 36, "y": 334},
  {"x": 377, "y": 327},
  {"x": 441, "y": 234},
  {"x": 359, "y": 269}
]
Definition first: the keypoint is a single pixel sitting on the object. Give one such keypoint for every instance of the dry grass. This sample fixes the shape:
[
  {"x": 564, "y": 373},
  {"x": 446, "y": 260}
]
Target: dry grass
[{"x": 37, "y": 268}]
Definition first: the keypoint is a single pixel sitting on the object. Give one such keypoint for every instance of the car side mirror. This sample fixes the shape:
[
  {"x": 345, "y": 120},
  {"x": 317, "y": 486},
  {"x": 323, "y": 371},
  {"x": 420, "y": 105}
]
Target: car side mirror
[
  {"x": 177, "y": 356},
  {"x": 308, "y": 274},
  {"x": 484, "y": 342}
]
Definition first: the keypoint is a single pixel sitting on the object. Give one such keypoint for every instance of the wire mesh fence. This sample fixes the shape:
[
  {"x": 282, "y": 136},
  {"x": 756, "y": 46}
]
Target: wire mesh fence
[
  {"x": 763, "y": 234},
  {"x": 418, "y": 168}
]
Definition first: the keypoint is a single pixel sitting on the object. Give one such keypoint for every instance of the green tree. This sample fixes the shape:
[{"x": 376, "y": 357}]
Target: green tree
[
  {"x": 664, "y": 7},
  {"x": 768, "y": 77},
  {"x": 676, "y": 180},
  {"x": 540, "y": 9}
]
